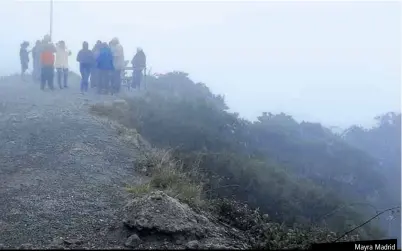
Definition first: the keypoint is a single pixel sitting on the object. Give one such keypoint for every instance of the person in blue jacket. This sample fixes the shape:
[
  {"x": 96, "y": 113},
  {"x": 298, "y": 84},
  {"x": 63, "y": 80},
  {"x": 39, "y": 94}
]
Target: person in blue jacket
[{"x": 104, "y": 64}]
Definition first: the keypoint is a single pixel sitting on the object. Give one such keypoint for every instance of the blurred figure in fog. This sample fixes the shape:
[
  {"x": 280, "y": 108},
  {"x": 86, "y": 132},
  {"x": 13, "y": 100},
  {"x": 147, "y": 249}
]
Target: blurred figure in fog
[
  {"x": 118, "y": 64},
  {"x": 86, "y": 59},
  {"x": 24, "y": 58},
  {"x": 47, "y": 59},
  {"x": 139, "y": 65},
  {"x": 104, "y": 64},
  {"x": 36, "y": 61},
  {"x": 61, "y": 63},
  {"x": 95, "y": 72}
]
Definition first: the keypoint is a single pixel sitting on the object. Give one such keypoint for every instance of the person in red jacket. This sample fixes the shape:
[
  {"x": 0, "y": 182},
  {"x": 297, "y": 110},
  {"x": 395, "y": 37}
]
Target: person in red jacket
[{"x": 47, "y": 59}]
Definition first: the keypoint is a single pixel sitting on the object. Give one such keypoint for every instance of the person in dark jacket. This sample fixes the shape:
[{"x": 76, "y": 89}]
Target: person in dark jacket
[
  {"x": 24, "y": 58},
  {"x": 95, "y": 71},
  {"x": 86, "y": 59},
  {"x": 104, "y": 64},
  {"x": 139, "y": 65}
]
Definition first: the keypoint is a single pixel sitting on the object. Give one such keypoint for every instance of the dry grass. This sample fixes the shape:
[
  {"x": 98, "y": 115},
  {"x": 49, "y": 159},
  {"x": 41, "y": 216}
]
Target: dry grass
[
  {"x": 169, "y": 176},
  {"x": 165, "y": 173},
  {"x": 116, "y": 110}
]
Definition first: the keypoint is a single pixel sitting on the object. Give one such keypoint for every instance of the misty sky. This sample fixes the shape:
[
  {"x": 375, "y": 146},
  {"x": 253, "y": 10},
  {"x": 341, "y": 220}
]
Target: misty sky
[{"x": 332, "y": 62}]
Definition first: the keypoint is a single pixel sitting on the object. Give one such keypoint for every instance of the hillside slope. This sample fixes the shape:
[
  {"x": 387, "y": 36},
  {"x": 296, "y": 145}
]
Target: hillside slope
[
  {"x": 383, "y": 142},
  {"x": 298, "y": 173}
]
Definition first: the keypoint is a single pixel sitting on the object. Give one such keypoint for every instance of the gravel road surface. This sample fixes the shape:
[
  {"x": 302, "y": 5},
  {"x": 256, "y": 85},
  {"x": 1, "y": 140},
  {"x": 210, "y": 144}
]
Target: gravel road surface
[{"x": 62, "y": 172}]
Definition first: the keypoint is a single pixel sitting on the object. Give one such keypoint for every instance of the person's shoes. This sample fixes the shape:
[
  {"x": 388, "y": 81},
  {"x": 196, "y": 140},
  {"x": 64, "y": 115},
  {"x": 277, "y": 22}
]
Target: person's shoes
[{"x": 65, "y": 86}]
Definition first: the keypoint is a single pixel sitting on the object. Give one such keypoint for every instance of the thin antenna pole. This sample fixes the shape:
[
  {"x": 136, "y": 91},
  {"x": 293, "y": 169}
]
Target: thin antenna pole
[{"x": 51, "y": 19}]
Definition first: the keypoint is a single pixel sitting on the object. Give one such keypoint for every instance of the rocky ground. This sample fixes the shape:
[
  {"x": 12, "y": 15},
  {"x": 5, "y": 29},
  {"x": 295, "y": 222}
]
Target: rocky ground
[{"x": 63, "y": 174}]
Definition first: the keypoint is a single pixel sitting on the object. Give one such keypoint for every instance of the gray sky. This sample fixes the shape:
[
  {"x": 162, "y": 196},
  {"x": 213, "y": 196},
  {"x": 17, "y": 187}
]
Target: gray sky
[{"x": 332, "y": 62}]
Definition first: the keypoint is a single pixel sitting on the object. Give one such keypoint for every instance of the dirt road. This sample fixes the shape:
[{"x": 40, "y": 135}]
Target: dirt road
[{"x": 62, "y": 172}]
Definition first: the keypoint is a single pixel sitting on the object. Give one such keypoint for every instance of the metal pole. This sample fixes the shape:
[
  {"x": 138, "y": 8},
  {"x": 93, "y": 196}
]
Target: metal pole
[{"x": 51, "y": 19}]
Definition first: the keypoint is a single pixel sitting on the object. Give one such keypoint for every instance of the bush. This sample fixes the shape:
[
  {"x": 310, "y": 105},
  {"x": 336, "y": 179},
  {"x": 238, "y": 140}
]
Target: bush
[{"x": 263, "y": 233}]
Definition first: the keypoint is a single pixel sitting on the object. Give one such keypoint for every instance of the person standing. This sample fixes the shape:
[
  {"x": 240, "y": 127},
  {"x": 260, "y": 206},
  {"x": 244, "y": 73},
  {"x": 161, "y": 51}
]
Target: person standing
[
  {"x": 86, "y": 59},
  {"x": 104, "y": 64},
  {"x": 61, "y": 64},
  {"x": 95, "y": 72},
  {"x": 24, "y": 58},
  {"x": 47, "y": 59},
  {"x": 36, "y": 62},
  {"x": 139, "y": 64},
  {"x": 118, "y": 64}
]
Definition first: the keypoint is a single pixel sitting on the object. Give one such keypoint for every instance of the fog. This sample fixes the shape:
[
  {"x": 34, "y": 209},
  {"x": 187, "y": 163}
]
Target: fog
[{"x": 336, "y": 63}]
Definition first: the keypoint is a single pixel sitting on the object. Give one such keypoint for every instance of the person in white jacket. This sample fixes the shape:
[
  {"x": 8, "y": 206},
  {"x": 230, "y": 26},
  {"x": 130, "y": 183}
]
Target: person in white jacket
[
  {"x": 118, "y": 64},
  {"x": 61, "y": 63}
]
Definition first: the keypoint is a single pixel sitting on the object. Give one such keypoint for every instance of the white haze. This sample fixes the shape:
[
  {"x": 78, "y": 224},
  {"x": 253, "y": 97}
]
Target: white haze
[{"x": 337, "y": 63}]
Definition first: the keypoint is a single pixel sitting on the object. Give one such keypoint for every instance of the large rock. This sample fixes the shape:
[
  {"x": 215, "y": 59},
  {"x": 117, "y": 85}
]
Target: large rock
[
  {"x": 120, "y": 102},
  {"x": 162, "y": 213},
  {"x": 133, "y": 241},
  {"x": 159, "y": 215}
]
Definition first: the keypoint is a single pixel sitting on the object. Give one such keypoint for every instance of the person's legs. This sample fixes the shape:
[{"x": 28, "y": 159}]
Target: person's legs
[
  {"x": 46, "y": 70},
  {"x": 39, "y": 67},
  {"x": 36, "y": 71},
  {"x": 97, "y": 77},
  {"x": 51, "y": 77},
  {"x": 43, "y": 78},
  {"x": 139, "y": 79},
  {"x": 82, "y": 79},
  {"x": 94, "y": 77},
  {"x": 65, "y": 75},
  {"x": 137, "y": 76},
  {"x": 101, "y": 77},
  {"x": 134, "y": 79},
  {"x": 24, "y": 67},
  {"x": 59, "y": 72},
  {"x": 113, "y": 81},
  {"x": 109, "y": 82},
  {"x": 88, "y": 75},
  {"x": 85, "y": 72},
  {"x": 118, "y": 80}
]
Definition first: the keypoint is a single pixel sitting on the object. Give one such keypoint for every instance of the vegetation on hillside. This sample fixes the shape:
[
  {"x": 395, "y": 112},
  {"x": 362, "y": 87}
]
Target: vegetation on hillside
[
  {"x": 383, "y": 142},
  {"x": 295, "y": 173}
]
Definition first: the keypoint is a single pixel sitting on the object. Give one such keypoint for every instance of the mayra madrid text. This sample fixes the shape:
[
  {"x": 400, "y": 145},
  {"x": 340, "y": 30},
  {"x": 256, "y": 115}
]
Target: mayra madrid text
[{"x": 384, "y": 247}]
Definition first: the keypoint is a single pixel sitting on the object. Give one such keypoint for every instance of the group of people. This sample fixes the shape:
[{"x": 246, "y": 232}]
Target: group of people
[{"x": 102, "y": 67}]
